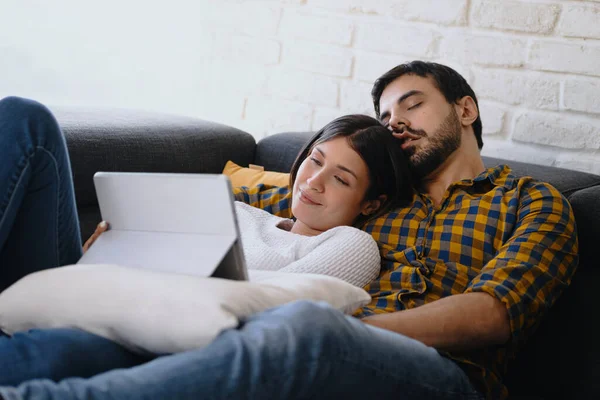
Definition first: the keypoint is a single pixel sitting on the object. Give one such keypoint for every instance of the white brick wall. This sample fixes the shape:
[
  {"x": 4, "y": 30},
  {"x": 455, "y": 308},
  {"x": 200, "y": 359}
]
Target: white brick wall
[
  {"x": 535, "y": 65},
  {"x": 273, "y": 65}
]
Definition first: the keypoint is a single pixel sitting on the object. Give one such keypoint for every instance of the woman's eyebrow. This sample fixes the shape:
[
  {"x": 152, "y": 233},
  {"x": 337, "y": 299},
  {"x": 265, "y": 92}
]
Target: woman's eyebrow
[{"x": 339, "y": 166}]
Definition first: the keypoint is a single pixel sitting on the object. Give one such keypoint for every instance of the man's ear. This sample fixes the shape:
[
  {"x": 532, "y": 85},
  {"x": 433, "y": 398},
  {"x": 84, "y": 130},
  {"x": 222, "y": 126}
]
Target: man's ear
[
  {"x": 467, "y": 111},
  {"x": 372, "y": 206}
]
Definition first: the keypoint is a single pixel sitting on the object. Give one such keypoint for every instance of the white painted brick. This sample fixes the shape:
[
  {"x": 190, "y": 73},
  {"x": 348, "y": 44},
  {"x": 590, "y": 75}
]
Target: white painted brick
[
  {"x": 320, "y": 58},
  {"x": 304, "y": 87},
  {"x": 496, "y": 147},
  {"x": 523, "y": 16},
  {"x": 492, "y": 117},
  {"x": 576, "y": 57},
  {"x": 394, "y": 38},
  {"x": 249, "y": 49},
  {"x": 582, "y": 95},
  {"x": 322, "y": 29},
  {"x": 271, "y": 115},
  {"x": 580, "y": 21},
  {"x": 250, "y": 17},
  {"x": 228, "y": 76},
  {"x": 322, "y": 116},
  {"x": 369, "y": 66},
  {"x": 498, "y": 51},
  {"x": 446, "y": 12},
  {"x": 557, "y": 130},
  {"x": 356, "y": 98},
  {"x": 518, "y": 87},
  {"x": 579, "y": 161}
]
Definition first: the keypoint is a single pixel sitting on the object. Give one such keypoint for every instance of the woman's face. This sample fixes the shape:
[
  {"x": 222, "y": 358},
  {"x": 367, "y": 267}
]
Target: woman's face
[{"x": 330, "y": 186}]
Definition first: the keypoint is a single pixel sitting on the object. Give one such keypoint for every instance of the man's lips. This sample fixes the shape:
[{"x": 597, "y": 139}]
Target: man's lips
[
  {"x": 407, "y": 139},
  {"x": 307, "y": 199}
]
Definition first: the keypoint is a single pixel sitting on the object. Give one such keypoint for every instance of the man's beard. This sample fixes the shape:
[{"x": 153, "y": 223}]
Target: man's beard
[{"x": 437, "y": 148}]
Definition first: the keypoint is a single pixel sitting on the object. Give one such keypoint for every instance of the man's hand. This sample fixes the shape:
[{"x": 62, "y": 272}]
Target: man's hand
[{"x": 102, "y": 227}]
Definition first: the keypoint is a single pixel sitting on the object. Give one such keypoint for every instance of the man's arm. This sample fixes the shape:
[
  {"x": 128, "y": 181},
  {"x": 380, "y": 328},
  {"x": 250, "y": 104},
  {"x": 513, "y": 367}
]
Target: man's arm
[
  {"x": 454, "y": 323},
  {"x": 273, "y": 199},
  {"x": 512, "y": 292}
]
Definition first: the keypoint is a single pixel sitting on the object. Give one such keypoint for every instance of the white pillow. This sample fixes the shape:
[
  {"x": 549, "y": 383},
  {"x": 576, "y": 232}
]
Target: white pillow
[{"x": 156, "y": 312}]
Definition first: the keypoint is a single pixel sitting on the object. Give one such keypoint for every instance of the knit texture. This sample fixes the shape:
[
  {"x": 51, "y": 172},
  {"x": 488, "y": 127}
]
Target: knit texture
[{"x": 343, "y": 252}]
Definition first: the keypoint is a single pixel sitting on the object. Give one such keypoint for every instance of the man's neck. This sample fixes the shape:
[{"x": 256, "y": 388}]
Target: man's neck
[{"x": 464, "y": 163}]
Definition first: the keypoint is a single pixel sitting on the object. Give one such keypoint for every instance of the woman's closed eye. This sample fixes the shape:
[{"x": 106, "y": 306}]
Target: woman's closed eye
[
  {"x": 319, "y": 163},
  {"x": 340, "y": 180}
]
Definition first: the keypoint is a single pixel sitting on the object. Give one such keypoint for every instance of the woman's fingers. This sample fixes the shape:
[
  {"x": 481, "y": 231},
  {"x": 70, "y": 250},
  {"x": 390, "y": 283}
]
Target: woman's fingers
[{"x": 102, "y": 227}]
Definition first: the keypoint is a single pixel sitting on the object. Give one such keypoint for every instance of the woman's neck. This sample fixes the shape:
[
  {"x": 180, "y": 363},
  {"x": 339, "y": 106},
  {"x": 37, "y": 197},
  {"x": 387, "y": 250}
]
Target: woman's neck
[{"x": 300, "y": 228}]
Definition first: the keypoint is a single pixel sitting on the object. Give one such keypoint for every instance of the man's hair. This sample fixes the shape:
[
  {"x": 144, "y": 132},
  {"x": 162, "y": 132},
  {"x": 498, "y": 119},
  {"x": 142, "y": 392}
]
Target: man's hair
[
  {"x": 389, "y": 171},
  {"x": 452, "y": 85}
]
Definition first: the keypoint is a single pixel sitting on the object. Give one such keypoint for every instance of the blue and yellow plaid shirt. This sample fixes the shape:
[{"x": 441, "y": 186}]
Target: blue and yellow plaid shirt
[{"x": 512, "y": 238}]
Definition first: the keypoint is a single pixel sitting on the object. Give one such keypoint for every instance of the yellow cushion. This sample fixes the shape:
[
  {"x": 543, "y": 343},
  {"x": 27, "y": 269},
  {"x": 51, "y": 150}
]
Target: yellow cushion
[{"x": 254, "y": 175}]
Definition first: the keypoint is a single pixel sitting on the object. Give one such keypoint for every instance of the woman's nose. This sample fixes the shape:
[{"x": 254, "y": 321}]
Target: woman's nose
[{"x": 315, "y": 182}]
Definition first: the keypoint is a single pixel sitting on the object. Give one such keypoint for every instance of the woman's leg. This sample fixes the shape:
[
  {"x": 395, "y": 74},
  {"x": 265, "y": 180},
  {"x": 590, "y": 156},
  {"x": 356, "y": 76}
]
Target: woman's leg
[
  {"x": 39, "y": 228},
  {"x": 57, "y": 354}
]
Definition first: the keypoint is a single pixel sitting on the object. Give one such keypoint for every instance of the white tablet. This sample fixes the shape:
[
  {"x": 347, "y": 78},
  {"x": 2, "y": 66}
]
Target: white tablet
[{"x": 180, "y": 223}]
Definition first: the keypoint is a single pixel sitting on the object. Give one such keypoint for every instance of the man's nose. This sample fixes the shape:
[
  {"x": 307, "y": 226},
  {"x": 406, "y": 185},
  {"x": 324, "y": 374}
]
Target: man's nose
[{"x": 397, "y": 123}]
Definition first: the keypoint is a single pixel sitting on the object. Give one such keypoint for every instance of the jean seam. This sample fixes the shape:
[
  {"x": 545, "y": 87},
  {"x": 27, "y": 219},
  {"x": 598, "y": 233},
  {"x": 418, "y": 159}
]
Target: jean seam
[
  {"x": 21, "y": 174},
  {"x": 58, "y": 186}
]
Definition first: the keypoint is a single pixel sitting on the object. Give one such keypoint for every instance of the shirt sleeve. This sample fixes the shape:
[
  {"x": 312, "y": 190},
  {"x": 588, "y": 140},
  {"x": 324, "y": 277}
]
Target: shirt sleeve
[
  {"x": 350, "y": 256},
  {"x": 536, "y": 263},
  {"x": 273, "y": 199}
]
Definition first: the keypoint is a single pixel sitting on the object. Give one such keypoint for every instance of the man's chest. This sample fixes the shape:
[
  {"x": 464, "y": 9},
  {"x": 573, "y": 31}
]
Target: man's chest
[{"x": 467, "y": 229}]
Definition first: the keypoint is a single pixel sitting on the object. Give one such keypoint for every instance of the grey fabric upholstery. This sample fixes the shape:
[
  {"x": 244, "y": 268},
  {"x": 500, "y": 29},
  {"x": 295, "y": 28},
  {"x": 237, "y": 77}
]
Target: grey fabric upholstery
[
  {"x": 562, "y": 359},
  {"x": 137, "y": 141}
]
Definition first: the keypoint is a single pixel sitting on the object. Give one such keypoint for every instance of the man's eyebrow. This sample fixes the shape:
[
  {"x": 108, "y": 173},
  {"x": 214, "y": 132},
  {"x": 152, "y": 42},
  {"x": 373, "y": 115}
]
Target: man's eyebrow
[
  {"x": 348, "y": 170},
  {"x": 405, "y": 96}
]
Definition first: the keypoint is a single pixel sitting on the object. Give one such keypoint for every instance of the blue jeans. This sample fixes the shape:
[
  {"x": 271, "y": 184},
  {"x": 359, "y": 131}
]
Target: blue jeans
[
  {"x": 38, "y": 219},
  {"x": 302, "y": 350}
]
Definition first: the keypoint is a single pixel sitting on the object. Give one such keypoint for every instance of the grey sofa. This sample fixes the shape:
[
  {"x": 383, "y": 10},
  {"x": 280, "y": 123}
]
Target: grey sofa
[{"x": 561, "y": 360}]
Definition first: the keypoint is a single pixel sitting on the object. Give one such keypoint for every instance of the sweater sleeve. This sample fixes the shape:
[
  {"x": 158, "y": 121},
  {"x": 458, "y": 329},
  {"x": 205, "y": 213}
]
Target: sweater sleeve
[{"x": 348, "y": 254}]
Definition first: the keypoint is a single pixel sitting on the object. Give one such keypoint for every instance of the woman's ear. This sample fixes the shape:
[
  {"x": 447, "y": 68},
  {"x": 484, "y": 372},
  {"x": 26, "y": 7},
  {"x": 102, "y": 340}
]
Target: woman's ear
[
  {"x": 467, "y": 110},
  {"x": 372, "y": 206}
]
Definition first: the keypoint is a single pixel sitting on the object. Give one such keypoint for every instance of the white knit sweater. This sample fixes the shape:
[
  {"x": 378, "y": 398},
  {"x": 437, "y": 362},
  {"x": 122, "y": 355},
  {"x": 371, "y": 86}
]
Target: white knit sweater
[{"x": 344, "y": 252}]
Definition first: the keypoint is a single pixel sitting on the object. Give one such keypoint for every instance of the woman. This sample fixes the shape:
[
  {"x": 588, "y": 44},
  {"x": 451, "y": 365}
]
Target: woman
[{"x": 352, "y": 170}]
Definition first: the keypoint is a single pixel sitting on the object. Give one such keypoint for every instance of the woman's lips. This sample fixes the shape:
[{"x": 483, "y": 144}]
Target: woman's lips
[{"x": 307, "y": 199}]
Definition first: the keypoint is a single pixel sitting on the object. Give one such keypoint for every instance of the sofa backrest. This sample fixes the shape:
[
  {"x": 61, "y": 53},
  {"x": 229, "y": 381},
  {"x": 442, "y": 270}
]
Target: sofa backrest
[
  {"x": 139, "y": 141},
  {"x": 562, "y": 359}
]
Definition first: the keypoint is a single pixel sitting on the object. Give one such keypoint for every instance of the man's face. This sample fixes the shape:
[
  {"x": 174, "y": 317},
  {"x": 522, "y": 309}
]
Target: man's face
[{"x": 415, "y": 109}]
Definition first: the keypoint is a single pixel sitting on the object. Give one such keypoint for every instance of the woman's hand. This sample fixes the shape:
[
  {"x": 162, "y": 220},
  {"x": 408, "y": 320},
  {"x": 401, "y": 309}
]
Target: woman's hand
[{"x": 102, "y": 227}]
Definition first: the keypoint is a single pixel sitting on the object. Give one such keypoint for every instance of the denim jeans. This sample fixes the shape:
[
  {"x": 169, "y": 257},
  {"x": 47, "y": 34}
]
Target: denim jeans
[
  {"x": 303, "y": 350},
  {"x": 38, "y": 219}
]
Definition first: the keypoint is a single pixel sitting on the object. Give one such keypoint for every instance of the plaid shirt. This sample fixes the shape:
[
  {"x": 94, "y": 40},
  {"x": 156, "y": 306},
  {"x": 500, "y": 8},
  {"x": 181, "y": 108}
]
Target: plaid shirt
[{"x": 512, "y": 238}]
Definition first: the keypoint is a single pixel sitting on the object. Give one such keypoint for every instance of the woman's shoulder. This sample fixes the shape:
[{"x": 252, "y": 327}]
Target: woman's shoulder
[{"x": 350, "y": 235}]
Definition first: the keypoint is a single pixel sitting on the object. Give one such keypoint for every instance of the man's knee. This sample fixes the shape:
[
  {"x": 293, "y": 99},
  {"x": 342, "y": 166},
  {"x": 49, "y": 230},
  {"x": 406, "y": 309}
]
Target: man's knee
[
  {"x": 20, "y": 107},
  {"x": 28, "y": 118}
]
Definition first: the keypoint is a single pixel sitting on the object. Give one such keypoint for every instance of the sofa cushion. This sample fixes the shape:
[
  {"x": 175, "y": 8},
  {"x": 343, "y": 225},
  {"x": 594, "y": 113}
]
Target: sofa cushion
[
  {"x": 254, "y": 175},
  {"x": 139, "y": 141}
]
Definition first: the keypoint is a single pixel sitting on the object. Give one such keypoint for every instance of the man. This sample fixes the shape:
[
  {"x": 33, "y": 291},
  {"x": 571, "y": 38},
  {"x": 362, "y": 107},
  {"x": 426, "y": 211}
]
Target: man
[{"x": 468, "y": 271}]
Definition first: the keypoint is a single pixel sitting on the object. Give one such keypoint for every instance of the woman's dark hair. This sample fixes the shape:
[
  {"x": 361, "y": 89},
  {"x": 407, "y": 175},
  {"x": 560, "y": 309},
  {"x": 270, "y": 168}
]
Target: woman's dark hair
[
  {"x": 452, "y": 85},
  {"x": 389, "y": 172}
]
